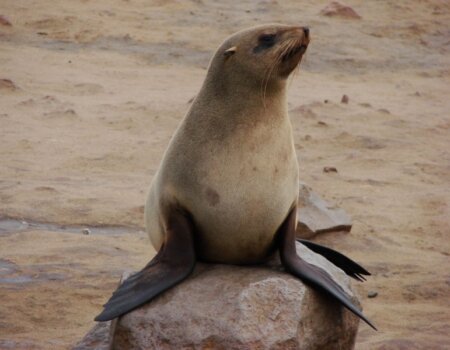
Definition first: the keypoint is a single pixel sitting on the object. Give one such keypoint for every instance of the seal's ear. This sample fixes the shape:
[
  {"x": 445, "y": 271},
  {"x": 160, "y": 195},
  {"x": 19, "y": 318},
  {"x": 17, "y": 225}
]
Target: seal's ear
[{"x": 230, "y": 52}]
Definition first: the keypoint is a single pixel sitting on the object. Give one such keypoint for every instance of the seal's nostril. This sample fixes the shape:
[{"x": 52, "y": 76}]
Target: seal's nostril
[{"x": 306, "y": 31}]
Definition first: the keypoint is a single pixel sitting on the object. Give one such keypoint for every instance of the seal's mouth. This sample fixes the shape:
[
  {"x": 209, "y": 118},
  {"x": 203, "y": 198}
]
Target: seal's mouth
[{"x": 299, "y": 49}]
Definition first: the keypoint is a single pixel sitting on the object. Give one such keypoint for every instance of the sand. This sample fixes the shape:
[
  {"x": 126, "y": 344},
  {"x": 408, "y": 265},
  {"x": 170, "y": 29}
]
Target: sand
[{"x": 91, "y": 92}]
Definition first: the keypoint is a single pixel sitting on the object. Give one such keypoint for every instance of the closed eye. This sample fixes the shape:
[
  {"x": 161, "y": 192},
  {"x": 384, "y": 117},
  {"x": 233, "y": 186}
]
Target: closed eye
[{"x": 265, "y": 41}]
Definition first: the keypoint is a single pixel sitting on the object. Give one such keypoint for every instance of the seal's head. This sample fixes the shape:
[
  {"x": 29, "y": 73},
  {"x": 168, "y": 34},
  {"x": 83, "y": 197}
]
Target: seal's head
[{"x": 263, "y": 54}]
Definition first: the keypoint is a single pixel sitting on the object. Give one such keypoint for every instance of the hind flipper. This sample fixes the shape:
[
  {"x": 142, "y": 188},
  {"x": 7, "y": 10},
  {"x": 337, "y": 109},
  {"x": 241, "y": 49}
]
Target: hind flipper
[
  {"x": 310, "y": 274},
  {"x": 346, "y": 264},
  {"x": 173, "y": 263}
]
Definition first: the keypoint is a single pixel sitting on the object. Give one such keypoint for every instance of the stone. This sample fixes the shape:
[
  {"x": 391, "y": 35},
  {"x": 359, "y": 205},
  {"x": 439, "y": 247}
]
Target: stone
[
  {"x": 372, "y": 294},
  {"x": 4, "y": 21},
  {"x": 237, "y": 307},
  {"x": 98, "y": 338},
  {"x": 7, "y": 84},
  {"x": 315, "y": 215},
  {"x": 336, "y": 9},
  {"x": 344, "y": 99},
  {"x": 330, "y": 169}
]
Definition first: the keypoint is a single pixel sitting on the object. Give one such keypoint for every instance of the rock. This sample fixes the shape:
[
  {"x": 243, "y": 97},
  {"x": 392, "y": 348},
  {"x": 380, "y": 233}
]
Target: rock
[
  {"x": 372, "y": 294},
  {"x": 330, "y": 169},
  {"x": 98, "y": 338},
  {"x": 86, "y": 231},
  {"x": 5, "y": 21},
  {"x": 384, "y": 111},
  {"x": 7, "y": 84},
  {"x": 236, "y": 307},
  {"x": 336, "y": 9},
  {"x": 344, "y": 99},
  {"x": 315, "y": 215}
]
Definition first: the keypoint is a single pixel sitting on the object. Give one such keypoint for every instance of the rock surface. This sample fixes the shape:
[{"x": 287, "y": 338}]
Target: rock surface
[
  {"x": 98, "y": 338},
  {"x": 231, "y": 307},
  {"x": 315, "y": 215}
]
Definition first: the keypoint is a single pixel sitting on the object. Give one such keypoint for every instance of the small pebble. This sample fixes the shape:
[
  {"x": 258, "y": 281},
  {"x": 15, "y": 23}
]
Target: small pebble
[
  {"x": 344, "y": 99},
  {"x": 5, "y": 21},
  {"x": 330, "y": 169},
  {"x": 86, "y": 231},
  {"x": 384, "y": 111},
  {"x": 372, "y": 294}
]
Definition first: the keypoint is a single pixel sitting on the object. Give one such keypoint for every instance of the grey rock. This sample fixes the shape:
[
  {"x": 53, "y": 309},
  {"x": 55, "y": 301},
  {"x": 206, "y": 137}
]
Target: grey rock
[
  {"x": 315, "y": 215},
  {"x": 372, "y": 294},
  {"x": 236, "y": 307},
  {"x": 98, "y": 338}
]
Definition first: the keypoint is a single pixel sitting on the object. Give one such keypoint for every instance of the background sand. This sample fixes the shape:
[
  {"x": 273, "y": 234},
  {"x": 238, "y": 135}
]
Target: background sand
[{"x": 97, "y": 88}]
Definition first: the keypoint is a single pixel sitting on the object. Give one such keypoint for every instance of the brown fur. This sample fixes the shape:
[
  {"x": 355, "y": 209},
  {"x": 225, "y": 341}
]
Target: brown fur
[{"x": 232, "y": 164}]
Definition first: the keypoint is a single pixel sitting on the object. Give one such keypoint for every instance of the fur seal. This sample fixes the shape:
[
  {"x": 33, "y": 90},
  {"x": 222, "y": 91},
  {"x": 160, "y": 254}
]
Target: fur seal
[{"x": 226, "y": 190}]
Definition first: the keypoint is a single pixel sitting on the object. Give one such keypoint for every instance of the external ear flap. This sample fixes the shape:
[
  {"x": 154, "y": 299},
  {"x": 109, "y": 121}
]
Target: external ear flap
[{"x": 230, "y": 52}]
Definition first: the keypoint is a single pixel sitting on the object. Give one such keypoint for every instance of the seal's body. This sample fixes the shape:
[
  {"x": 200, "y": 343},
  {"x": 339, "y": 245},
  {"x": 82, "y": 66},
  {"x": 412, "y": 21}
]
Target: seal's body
[
  {"x": 253, "y": 165},
  {"x": 232, "y": 161},
  {"x": 226, "y": 190}
]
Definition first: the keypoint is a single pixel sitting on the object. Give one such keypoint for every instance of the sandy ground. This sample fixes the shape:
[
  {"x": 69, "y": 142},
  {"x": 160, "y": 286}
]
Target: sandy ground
[{"x": 91, "y": 92}]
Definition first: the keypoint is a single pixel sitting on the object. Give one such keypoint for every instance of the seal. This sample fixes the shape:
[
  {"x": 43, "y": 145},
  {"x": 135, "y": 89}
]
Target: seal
[{"x": 226, "y": 190}]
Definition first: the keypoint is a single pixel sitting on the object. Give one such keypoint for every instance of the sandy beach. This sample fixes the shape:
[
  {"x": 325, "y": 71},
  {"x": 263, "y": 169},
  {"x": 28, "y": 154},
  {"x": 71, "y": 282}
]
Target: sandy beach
[{"x": 91, "y": 92}]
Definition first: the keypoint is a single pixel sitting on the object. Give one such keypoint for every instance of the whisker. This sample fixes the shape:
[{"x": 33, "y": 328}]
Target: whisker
[
  {"x": 282, "y": 51},
  {"x": 287, "y": 47}
]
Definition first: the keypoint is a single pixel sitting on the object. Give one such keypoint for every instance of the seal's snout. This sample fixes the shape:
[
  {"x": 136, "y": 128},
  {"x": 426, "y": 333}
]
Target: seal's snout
[
  {"x": 306, "y": 32},
  {"x": 306, "y": 36}
]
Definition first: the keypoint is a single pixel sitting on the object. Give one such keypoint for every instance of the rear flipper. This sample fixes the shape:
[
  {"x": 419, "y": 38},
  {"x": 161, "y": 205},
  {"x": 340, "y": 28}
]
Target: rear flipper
[
  {"x": 311, "y": 274},
  {"x": 173, "y": 263},
  {"x": 350, "y": 267}
]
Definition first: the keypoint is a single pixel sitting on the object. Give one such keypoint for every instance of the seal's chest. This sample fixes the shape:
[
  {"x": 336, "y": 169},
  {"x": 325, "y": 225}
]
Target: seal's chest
[{"x": 246, "y": 179}]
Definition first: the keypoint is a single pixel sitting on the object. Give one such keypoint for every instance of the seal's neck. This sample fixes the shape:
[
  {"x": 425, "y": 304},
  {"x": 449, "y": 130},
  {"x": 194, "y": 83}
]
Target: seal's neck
[{"x": 246, "y": 100}]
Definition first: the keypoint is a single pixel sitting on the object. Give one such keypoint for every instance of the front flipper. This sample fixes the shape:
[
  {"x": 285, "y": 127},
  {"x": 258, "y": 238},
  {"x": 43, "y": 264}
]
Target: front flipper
[
  {"x": 311, "y": 274},
  {"x": 173, "y": 263},
  {"x": 346, "y": 264}
]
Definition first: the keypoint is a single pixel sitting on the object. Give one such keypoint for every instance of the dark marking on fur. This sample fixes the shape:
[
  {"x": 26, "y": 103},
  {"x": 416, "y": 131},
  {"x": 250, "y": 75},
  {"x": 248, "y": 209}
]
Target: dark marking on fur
[{"x": 212, "y": 196}]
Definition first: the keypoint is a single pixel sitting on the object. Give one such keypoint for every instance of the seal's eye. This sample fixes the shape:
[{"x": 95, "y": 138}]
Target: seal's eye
[
  {"x": 268, "y": 39},
  {"x": 265, "y": 41}
]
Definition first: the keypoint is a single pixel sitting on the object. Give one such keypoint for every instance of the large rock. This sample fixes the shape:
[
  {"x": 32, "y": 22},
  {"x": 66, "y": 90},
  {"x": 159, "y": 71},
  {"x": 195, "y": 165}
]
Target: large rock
[
  {"x": 232, "y": 307},
  {"x": 316, "y": 215}
]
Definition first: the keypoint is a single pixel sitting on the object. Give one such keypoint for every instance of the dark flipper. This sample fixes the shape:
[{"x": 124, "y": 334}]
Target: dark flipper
[
  {"x": 313, "y": 275},
  {"x": 173, "y": 263},
  {"x": 350, "y": 267}
]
